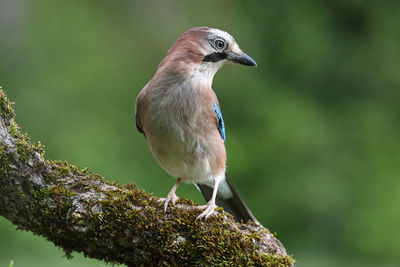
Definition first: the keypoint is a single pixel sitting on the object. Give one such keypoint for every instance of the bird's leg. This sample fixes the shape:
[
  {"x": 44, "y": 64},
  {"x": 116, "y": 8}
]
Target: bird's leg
[
  {"x": 171, "y": 196},
  {"x": 209, "y": 208}
]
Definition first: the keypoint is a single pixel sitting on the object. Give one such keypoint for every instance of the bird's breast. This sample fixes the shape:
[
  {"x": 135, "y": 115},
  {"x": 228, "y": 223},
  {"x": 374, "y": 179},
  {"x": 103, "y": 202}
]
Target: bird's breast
[
  {"x": 178, "y": 125},
  {"x": 178, "y": 112}
]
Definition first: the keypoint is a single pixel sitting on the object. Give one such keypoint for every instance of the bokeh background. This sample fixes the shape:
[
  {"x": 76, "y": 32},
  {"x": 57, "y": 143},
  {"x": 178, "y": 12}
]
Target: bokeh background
[{"x": 313, "y": 133}]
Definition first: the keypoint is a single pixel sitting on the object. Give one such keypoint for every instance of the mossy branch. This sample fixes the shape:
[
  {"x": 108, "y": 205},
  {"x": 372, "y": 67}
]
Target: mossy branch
[{"x": 79, "y": 211}]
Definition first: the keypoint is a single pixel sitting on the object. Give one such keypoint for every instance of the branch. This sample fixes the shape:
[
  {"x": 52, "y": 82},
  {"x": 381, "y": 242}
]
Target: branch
[{"x": 79, "y": 211}]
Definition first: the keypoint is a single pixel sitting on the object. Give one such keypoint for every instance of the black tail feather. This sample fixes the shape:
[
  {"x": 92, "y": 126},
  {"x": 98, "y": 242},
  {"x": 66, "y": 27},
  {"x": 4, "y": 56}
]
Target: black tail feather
[{"x": 234, "y": 205}]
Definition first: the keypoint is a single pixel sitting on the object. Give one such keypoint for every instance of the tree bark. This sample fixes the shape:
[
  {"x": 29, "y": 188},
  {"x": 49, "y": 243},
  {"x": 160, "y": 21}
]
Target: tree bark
[{"x": 80, "y": 211}]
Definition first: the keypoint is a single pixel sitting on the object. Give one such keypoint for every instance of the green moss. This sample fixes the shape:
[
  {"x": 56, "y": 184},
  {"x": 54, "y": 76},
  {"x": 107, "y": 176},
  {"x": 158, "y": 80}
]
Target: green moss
[
  {"x": 14, "y": 129},
  {"x": 23, "y": 144},
  {"x": 23, "y": 150},
  {"x": 55, "y": 192},
  {"x": 4, "y": 161},
  {"x": 62, "y": 169},
  {"x": 6, "y": 108}
]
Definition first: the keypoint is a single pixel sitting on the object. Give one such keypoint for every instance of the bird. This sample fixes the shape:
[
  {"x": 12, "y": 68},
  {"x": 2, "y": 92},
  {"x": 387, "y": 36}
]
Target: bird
[{"x": 179, "y": 114}]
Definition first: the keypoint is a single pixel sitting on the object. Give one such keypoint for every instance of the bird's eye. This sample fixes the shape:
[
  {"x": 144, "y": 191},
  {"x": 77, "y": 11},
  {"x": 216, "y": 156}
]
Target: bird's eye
[{"x": 219, "y": 44}]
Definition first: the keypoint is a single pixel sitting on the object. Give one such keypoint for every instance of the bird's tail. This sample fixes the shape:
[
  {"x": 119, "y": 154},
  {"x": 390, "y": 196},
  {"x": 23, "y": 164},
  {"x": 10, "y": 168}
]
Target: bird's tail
[{"x": 234, "y": 204}]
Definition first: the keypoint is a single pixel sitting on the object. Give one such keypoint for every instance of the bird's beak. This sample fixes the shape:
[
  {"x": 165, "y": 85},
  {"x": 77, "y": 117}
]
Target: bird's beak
[{"x": 243, "y": 59}]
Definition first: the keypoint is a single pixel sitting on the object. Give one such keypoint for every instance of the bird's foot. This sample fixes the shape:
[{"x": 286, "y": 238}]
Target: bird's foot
[
  {"x": 208, "y": 210},
  {"x": 172, "y": 197}
]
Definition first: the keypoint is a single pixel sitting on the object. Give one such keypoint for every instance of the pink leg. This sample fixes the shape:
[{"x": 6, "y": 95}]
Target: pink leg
[
  {"x": 209, "y": 208},
  {"x": 172, "y": 197}
]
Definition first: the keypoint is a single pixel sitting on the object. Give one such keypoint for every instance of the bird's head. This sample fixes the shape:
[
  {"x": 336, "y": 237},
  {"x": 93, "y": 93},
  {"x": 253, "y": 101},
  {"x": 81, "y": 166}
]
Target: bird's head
[{"x": 200, "y": 52}]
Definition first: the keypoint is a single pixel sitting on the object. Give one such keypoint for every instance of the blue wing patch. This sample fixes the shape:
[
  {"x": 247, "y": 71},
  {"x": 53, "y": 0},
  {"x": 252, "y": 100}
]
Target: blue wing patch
[{"x": 221, "y": 125}]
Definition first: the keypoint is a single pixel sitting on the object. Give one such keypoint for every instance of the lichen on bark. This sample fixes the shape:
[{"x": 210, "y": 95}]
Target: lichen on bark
[{"x": 80, "y": 211}]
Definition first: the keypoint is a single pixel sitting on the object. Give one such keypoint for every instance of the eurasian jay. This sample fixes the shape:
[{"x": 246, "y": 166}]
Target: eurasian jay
[{"x": 180, "y": 117}]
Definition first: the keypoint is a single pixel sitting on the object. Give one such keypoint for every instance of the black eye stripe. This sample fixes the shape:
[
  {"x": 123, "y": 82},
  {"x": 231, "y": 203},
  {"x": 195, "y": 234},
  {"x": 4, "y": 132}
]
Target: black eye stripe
[{"x": 215, "y": 57}]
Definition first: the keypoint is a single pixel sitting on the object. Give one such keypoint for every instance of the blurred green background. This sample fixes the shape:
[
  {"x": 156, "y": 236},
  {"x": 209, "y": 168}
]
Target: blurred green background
[{"x": 313, "y": 133}]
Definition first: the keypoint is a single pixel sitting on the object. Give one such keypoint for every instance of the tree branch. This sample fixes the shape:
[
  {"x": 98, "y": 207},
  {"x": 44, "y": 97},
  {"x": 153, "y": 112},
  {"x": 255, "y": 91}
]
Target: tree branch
[{"x": 79, "y": 211}]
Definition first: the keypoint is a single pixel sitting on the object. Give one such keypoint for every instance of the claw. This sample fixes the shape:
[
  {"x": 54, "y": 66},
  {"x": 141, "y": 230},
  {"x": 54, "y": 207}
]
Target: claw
[
  {"x": 208, "y": 210},
  {"x": 172, "y": 197}
]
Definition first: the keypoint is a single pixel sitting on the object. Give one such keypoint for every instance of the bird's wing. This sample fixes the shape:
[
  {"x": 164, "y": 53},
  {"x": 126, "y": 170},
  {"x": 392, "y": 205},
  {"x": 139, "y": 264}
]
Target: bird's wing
[
  {"x": 138, "y": 126},
  {"x": 220, "y": 123},
  {"x": 138, "y": 107}
]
